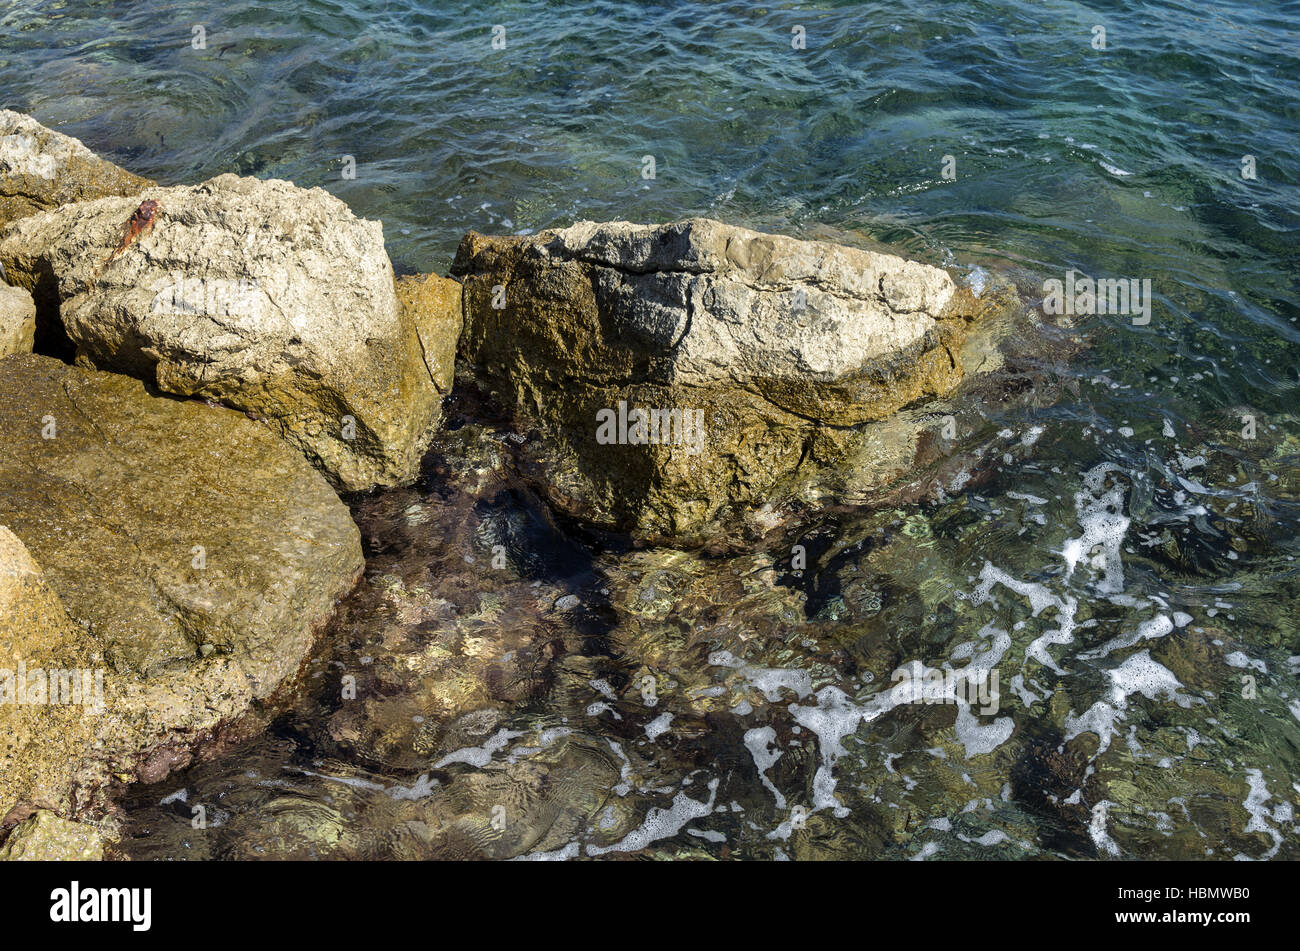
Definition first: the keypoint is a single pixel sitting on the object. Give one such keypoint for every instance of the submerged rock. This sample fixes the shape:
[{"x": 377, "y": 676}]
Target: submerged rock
[
  {"x": 17, "y": 320},
  {"x": 196, "y": 556},
  {"x": 685, "y": 373},
  {"x": 268, "y": 298},
  {"x": 42, "y": 169}
]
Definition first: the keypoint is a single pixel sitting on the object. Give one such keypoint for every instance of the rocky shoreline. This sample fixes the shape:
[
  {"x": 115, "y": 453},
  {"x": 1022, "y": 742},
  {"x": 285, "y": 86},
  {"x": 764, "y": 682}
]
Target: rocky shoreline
[{"x": 190, "y": 377}]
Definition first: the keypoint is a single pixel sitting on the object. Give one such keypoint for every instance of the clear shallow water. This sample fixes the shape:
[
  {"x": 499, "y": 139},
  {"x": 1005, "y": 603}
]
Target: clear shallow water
[{"x": 1124, "y": 162}]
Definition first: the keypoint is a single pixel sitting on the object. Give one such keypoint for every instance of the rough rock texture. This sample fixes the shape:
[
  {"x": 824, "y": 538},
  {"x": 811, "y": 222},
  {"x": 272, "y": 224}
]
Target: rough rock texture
[
  {"x": 39, "y": 742},
  {"x": 791, "y": 351},
  {"x": 195, "y": 555},
  {"x": 433, "y": 304},
  {"x": 41, "y": 169},
  {"x": 17, "y": 320},
  {"x": 47, "y": 838},
  {"x": 262, "y": 296},
  {"x": 947, "y": 444}
]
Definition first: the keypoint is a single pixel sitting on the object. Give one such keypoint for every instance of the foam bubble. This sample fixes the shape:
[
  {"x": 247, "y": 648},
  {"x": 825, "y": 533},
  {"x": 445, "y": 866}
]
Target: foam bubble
[{"x": 662, "y": 823}]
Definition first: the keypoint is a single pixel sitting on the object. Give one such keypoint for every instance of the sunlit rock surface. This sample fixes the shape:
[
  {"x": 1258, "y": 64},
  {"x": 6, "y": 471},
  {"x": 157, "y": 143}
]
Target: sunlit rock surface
[
  {"x": 47, "y": 838},
  {"x": 41, "y": 169},
  {"x": 180, "y": 553},
  {"x": 683, "y": 375},
  {"x": 17, "y": 320},
  {"x": 268, "y": 298}
]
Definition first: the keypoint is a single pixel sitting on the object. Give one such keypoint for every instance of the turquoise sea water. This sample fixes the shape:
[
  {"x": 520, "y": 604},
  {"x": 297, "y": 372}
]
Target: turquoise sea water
[{"x": 1118, "y": 162}]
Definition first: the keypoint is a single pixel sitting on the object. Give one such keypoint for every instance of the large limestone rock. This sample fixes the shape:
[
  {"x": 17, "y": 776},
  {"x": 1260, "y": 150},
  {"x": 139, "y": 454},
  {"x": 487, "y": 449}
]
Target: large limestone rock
[
  {"x": 265, "y": 297},
  {"x": 758, "y": 361},
  {"x": 42, "y": 169},
  {"x": 180, "y": 552},
  {"x": 17, "y": 320}
]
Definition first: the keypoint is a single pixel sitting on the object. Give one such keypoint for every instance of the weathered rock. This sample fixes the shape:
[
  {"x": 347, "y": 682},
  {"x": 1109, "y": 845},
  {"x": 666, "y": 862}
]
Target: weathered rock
[
  {"x": 947, "y": 444},
  {"x": 41, "y": 169},
  {"x": 265, "y": 297},
  {"x": 17, "y": 320},
  {"x": 47, "y": 838},
  {"x": 39, "y": 742},
  {"x": 433, "y": 304},
  {"x": 196, "y": 556},
  {"x": 761, "y": 360}
]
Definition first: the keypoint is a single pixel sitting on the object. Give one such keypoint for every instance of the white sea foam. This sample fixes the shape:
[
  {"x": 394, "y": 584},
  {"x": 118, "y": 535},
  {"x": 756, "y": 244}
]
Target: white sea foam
[
  {"x": 1101, "y": 516},
  {"x": 1238, "y": 659},
  {"x": 1157, "y": 626},
  {"x": 662, "y": 823},
  {"x": 1259, "y": 815},
  {"x": 927, "y": 850},
  {"x": 1137, "y": 674},
  {"x": 479, "y": 756},
  {"x": 1097, "y": 829},
  {"x": 658, "y": 726},
  {"x": 563, "y": 854},
  {"x": 761, "y": 743}
]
